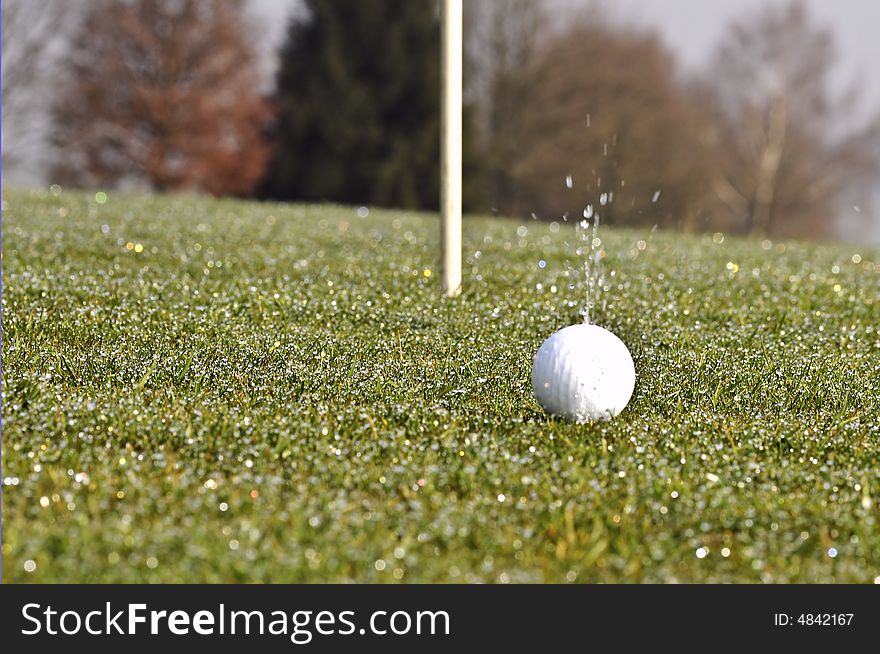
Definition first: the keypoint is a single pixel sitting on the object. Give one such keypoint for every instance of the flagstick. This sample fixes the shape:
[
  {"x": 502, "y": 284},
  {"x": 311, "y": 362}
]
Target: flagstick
[{"x": 450, "y": 145}]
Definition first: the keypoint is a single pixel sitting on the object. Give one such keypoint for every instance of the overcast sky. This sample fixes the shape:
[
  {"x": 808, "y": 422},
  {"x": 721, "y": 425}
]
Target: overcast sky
[{"x": 693, "y": 27}]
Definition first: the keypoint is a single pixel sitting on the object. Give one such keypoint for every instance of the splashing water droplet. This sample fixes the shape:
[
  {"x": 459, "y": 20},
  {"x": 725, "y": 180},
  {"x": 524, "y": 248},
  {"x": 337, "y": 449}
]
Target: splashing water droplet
[
  {"x": 591, "y": 250},
  {"x": 569, "y": 182}
]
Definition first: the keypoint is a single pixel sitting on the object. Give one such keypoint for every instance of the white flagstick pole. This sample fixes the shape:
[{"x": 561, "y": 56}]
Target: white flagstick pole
[{"x": 450, "y": 144}]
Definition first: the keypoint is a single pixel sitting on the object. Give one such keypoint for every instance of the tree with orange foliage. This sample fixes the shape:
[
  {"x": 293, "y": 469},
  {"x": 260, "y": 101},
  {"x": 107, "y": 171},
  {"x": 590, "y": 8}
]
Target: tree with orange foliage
[{"x": 162, "y": 93}]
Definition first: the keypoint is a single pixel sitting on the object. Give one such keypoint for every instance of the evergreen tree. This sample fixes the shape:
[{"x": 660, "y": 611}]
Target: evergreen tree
[{"x": 358, "y": 106}]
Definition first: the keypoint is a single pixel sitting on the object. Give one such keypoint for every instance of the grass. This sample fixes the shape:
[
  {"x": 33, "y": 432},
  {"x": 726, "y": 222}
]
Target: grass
[{"x": 217, "y": 391}]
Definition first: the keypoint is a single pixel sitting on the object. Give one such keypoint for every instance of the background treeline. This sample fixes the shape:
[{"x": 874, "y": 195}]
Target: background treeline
[{"x": 564, "y": 109}]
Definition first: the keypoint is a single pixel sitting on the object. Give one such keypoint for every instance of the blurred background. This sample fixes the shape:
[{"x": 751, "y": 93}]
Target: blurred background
[{"x": 752, "y": 117}]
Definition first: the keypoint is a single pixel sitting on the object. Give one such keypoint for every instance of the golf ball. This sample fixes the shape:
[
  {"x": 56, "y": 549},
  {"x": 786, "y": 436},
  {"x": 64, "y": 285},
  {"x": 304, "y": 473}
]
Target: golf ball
[{"x": 583, "y": 373}]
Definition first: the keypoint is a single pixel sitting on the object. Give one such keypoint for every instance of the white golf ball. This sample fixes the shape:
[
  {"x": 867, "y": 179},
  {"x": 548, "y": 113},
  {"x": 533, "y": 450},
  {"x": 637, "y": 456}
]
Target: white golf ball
[{"x": 583, "y": 373}]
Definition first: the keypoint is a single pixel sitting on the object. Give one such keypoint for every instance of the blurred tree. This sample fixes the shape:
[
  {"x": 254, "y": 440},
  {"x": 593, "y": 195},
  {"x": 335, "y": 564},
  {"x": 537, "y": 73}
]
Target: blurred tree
[
  {"x": 162, "y": 92},
  {"x": 788, "y": 151},
  {"x": 358, "y": 102},
  {"x": 599, "y": 112},
  {"x": 34, "y": 34},
  {"x": 503, "y": 40}
]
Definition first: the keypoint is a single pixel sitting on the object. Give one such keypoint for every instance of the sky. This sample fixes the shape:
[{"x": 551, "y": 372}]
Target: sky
[{"x": 693, "y": 27}]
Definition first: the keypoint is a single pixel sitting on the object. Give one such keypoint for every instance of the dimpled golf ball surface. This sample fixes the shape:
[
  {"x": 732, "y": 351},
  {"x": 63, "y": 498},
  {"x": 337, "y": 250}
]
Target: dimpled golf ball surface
[{"x": 583, "y": 373}]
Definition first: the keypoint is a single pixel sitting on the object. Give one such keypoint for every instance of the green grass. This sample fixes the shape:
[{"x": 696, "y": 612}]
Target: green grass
[{"x": 216, "y": 391}]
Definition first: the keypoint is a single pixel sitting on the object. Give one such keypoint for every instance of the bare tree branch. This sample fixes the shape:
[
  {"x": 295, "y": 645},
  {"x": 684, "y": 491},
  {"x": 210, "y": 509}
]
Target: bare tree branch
[{"x": 786, "y": 145}]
